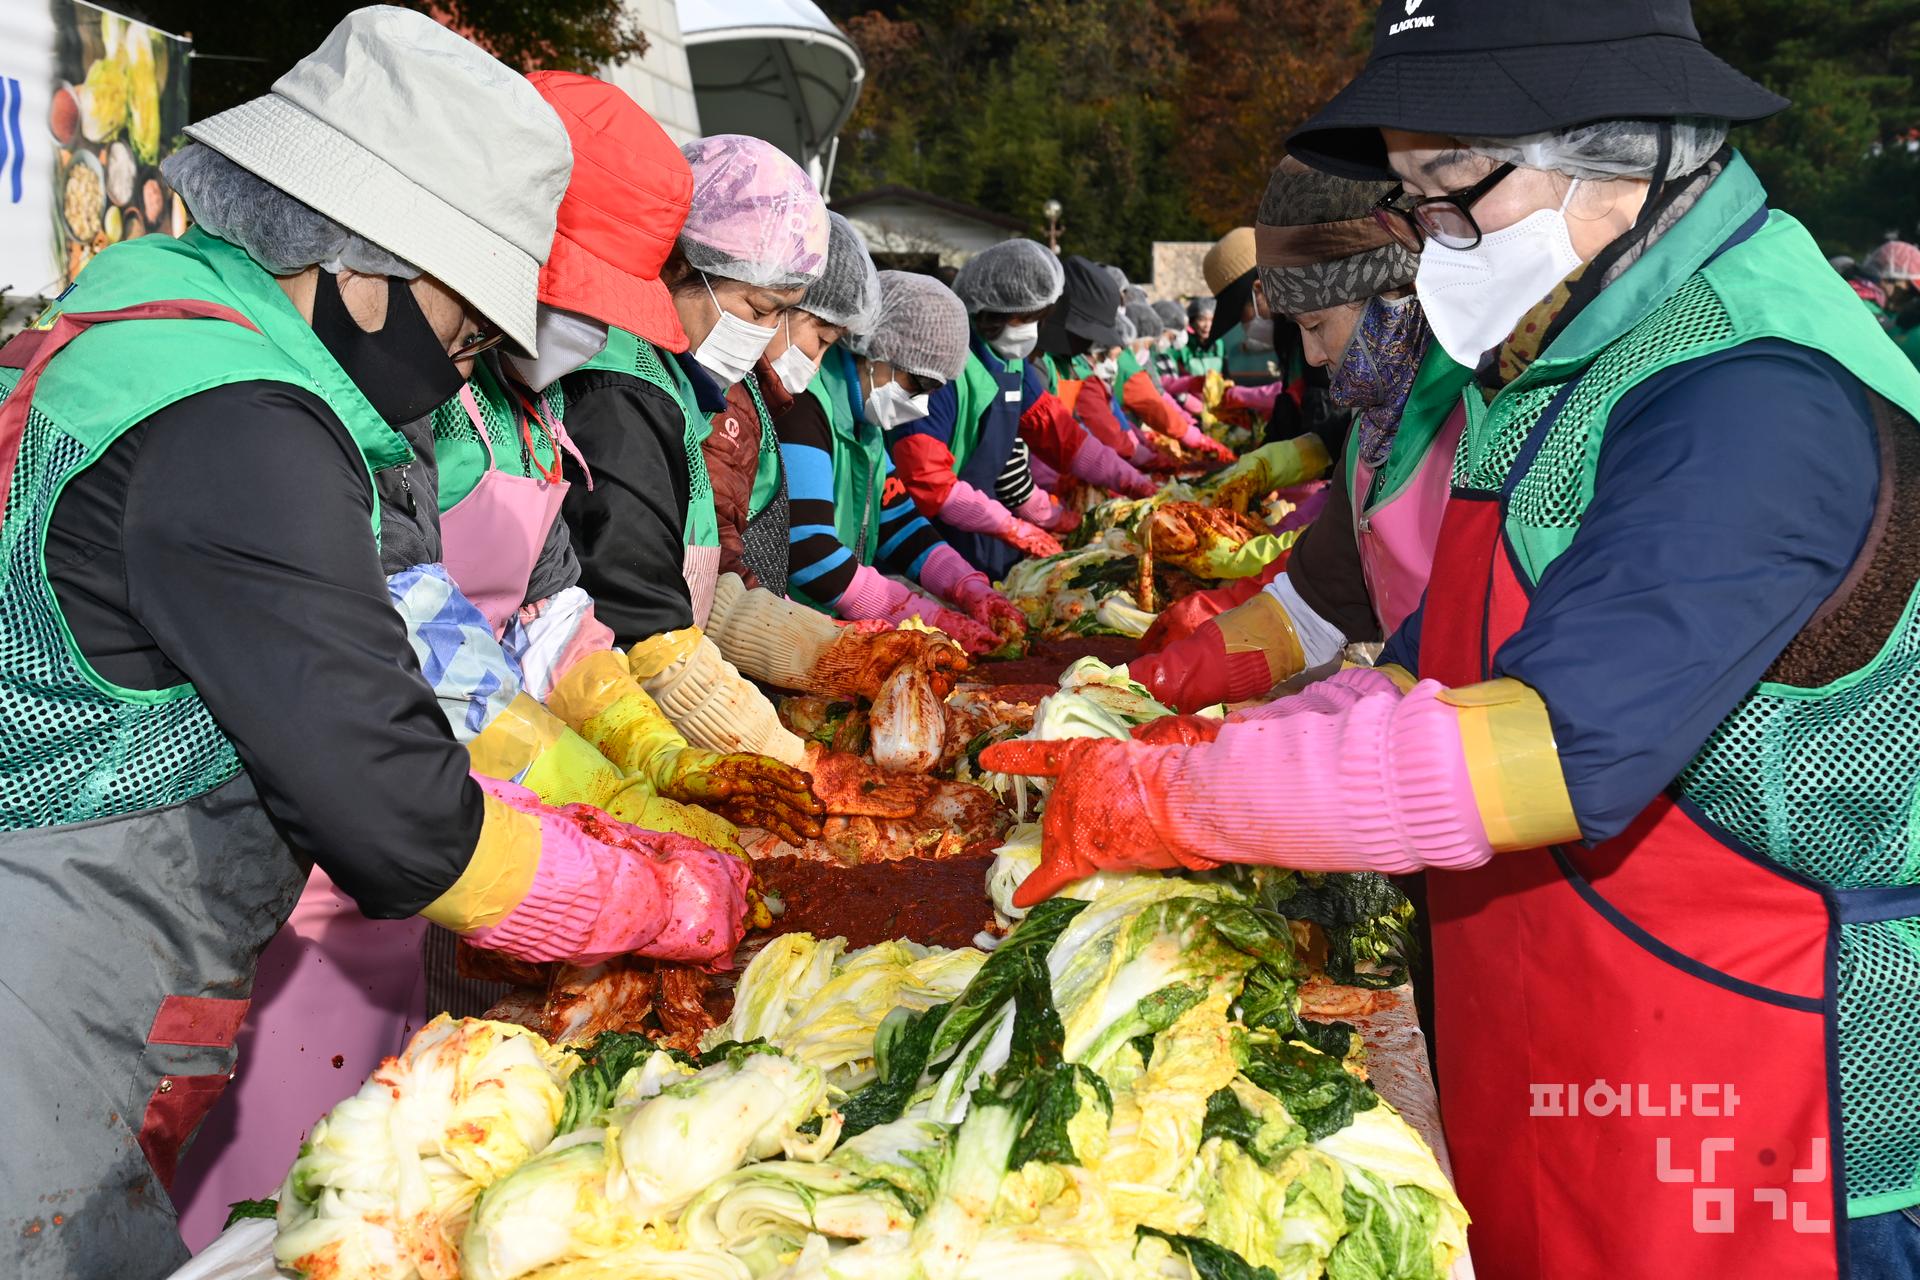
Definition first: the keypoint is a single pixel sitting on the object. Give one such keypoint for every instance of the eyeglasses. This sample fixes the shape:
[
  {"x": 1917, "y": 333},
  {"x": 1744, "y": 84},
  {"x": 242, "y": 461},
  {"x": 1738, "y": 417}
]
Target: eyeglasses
[
  {"x": 1447, "y": 219},
  {"x": 482, "y": 339}
]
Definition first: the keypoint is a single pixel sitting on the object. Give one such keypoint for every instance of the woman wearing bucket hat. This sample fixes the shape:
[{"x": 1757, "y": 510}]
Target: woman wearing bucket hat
[
  {"x": 199, "y": 652},
  {"x": 1361, "y": 567},
  {"x": 1662, "y": 758},
  {"x": 478, "y": 522},
  {"x": 755, "y": 236}
]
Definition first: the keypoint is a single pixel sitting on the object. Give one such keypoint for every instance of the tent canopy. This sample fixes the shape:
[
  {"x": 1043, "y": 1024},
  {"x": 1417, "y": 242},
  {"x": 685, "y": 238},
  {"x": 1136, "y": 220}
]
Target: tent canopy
[{"x": 776, "y": 69}]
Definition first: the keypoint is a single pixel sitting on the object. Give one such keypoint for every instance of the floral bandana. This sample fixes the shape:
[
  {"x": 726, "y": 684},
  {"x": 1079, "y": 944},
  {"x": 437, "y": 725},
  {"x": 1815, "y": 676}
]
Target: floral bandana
[{"x": 1378, "y": 371}]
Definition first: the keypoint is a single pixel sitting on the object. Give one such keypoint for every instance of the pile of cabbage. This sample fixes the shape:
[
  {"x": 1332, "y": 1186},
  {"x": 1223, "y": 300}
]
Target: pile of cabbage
[{"x": 1120, "y": 1090}]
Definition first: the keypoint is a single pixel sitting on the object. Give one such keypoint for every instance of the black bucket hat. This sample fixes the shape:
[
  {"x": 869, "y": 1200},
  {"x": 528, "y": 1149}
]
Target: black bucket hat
[
  {"x": 1506, "y": 68},
  {"x": 1088, "y": 307}
]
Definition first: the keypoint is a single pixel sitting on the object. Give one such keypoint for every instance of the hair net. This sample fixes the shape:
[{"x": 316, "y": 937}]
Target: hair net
[
  {"x": 1201, "y": 306},
  {"x": 1012, "y": 278},
  {"x": 1134, "y": 293},
  {"x": 1172, "y": 314},
  {"x": 1145, "y": 320},
  {"x": 1123, "y": 323},
  {"x": 1610, "y": 148},
  {"x": 848, "y": 290},
  {"x": 755, "y": 217},
  {"x": 1895, "y": 260},
  {"x": 1119, "y": 278},
  {"x": 277, "y": 231},
  {"x": 920, "y": 327},
  {"x": 1297, "y": 196}
]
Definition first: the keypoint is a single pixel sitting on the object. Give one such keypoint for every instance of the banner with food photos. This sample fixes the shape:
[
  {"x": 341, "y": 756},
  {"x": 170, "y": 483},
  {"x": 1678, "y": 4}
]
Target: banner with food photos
[{"x": 90, "y": 103}]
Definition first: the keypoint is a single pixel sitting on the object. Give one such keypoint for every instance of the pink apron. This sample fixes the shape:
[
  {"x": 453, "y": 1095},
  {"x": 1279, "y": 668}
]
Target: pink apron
[
  {"x": 1398, "y": 535},
  {"x": 491, "y": 539},
  {"x": 335, "y": 993}
]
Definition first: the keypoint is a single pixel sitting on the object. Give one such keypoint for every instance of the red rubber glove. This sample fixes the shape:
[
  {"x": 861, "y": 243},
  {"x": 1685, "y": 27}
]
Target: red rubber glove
[
  {"x": 1178, "y": 731},
  {"x": 974, "y": 638},
  {"x": 1032, "y": 539},
  {"x": 1197, "y": 671},
  {"x": 988, "y": 607},
  {"x": 1218, "y": 450},
  {"x": 1184, "y": 616},
  {"x": 1104, "y": 813}
]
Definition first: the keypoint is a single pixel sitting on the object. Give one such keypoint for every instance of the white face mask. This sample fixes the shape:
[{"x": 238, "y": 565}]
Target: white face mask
[
  {"x": 732, "y": 347},
  {"x": 1163, "y": 343},
  {"x": 1259, "y": 333},
  {"x": 1180, "y": 341},
  {"x": 890, "y": 405},
  {"x": 567, "y": 341},
  {"x": 1107, "y": 370},
  {"x": 1016, "y": 341},
  {"x": 1474, "y": 297},
  {"x": 794, "y": 369}
]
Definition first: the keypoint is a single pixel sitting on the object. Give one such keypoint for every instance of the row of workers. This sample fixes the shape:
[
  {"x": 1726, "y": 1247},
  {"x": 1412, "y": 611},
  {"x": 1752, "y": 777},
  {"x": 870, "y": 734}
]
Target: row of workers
[
  {"x": 1630, "y": 499},
  {"x": 368, "y": 530}
]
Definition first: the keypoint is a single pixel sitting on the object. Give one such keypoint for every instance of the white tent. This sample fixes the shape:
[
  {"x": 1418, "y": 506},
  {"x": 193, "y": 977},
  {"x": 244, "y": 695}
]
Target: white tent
[{"x": 776, "y": 69}]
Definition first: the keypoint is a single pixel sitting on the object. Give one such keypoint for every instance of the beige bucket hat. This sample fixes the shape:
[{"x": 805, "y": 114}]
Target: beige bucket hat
[{"x": 422, "y": 142}]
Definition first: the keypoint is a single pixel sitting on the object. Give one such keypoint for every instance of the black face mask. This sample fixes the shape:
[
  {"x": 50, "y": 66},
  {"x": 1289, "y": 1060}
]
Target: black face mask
[{"x": 403, "y": 369}]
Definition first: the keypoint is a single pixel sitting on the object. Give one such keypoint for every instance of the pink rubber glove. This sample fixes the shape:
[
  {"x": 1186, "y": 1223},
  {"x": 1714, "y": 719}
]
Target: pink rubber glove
[
  {"x": 1044, "y": 477},
  {"x": 1259, "y": 399},
  {"x": 1041, "y": 509},
  {"x": 1339, "y": 692},
  {"x": 969, "y": 509},
  {"x": 1187, "y": 384},
  {"x": 872, "y": 594},
  {"x": 1192, "y": 404},
  {"x": 1102, "y": 468},
  {"x": 1032, "y": 539},
  {"x": 604, "y": 888},
  {"x": 947, "y": 574},
  {"x": 1377, "y": 783}
]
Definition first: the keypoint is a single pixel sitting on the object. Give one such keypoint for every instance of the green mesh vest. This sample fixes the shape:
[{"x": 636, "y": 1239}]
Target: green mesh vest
[
  {"x": 630, "y": 354},
  {"x": 457, "y": 449},
  {"x": 75, "y": 747},
  {"x": 1825, "y": 782},
  {"x": 766, "y": 472},
  {"x": 859, "y": 457}
]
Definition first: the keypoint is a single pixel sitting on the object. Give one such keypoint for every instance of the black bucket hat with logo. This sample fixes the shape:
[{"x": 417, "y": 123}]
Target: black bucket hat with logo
[
  {"x": 1506, "y": 68},
  {"x": 1088, "y": 307}
]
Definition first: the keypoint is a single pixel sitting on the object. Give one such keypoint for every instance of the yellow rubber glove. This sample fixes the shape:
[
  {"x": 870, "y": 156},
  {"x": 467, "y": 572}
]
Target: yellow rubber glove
[
  {"x": 1218, "y": 560},
  {"x": 497, "y": 876},
  {"x": 529, "y": 743},
  {"x": 1271, "y": 466},
  {"x": 601, "y": 700}
]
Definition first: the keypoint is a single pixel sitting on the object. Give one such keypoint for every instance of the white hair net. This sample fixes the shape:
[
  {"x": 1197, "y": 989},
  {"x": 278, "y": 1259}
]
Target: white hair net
[
  {"x": 756, "y": 216},
  {"x": 1134, "y": 293},
  {"x": 1119, "y": 278},
  {"x": 277, "y": 231},
  {"x": 1146, "y": 321},
  {"x": 1610, "y": 148},
  {"x": 1124, "y": 326},
  {"x": 1012, "y": 278},
  {"x": 921, "y": 327},
  {"x": 1205, "y": 305},
  {"x": 848, "y": 290}
]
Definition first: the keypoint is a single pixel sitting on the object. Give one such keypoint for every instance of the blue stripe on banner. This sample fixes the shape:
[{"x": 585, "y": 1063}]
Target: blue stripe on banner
[{"x": 12, "y": 150}]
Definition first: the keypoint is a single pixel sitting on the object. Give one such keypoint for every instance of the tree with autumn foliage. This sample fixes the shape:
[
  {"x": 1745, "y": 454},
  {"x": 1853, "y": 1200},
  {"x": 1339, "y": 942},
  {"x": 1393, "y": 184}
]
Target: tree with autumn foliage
[{"x": 245, "y": 47}]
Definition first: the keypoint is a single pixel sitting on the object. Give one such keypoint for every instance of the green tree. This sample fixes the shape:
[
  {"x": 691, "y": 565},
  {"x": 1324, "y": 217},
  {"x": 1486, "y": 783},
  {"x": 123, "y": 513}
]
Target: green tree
[
  {"x": 1842, "y": 158},
  {"x": 1007, "y": 105},
  {"x": 244, "y": 47}
]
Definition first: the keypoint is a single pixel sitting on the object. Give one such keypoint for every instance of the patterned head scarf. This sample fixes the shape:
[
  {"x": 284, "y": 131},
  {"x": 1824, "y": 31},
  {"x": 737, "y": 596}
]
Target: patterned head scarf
[
  {"x": 1317, "y": 244},
  {"x": 755, "y": 216}
]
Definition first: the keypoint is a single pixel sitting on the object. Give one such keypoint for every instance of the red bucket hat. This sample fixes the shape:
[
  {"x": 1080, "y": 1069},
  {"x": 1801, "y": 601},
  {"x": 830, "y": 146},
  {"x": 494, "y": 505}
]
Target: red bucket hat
[{"x": 622, "y": 213}]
